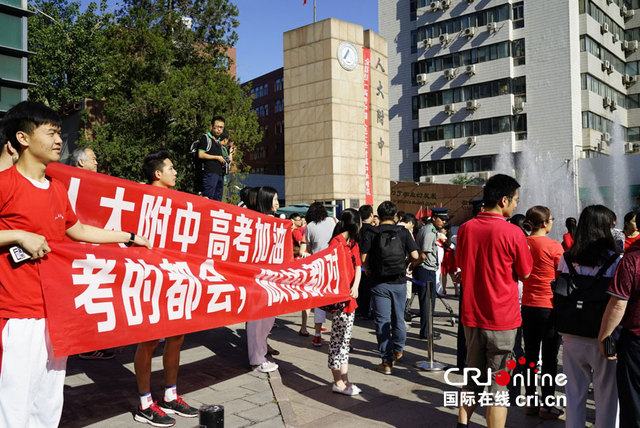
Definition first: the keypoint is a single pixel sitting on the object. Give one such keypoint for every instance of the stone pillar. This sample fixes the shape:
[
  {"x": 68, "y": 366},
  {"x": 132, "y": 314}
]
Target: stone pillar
[{"x": 324, "y": 116}]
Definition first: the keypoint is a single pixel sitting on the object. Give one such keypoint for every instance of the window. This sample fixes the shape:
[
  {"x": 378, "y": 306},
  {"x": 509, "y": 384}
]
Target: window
[
  {"x": 518, "y": 52},
  {"x": 493, "y": 88},
  {"x": 453, "y": 166},
  {"x": 279, "y": 84},
  {"x": 518, "y": 15},
  {"x": 494, "y": 125}
]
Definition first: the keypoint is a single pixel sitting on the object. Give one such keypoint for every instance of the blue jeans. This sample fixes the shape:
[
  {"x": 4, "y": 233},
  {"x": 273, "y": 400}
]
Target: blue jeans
[
  {"x": 425, "y": 275},
  {"x": 213, "y": 185},
  {"x": 389, "y": 301}
]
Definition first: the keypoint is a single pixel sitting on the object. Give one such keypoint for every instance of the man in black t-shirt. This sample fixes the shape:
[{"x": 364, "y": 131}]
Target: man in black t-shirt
[
  {"x": 213, "y": 162},
  {"x": 384, "y": 251}
]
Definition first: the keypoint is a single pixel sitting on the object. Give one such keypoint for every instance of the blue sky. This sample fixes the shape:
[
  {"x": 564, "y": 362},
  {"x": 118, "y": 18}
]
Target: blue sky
[{"x": 262, "y": 22}]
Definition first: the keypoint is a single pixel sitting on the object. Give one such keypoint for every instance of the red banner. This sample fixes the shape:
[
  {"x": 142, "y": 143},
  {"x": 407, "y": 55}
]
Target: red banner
[
  {"x": 103, "y": 296},
  {"x": 366, "y": 60},
  {"x": 176, "y": 220}
]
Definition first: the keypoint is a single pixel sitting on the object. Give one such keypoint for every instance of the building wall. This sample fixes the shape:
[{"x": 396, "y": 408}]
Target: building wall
[
  {"x": 13, "y": 53},
  {"x": 268, "y": 155},
  {"x": 324, "y": 115}
]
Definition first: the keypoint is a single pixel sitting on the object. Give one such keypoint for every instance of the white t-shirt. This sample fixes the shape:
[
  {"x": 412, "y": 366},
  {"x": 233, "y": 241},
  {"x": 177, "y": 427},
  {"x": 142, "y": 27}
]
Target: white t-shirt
[{"x": 318, "y": 234}]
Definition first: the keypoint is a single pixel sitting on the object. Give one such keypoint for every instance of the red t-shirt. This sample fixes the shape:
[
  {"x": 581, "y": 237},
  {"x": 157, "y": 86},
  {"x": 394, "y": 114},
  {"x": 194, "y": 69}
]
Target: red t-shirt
[
  {"x": 47, "y": 212},
  {"x": 626, "y": 285},
  {"x": 298, "y": 235},
  {"x": 629, "y": 241},
  {"x": 352, "y": 253},
  {"x": 546, "y": 253},
  {"x": 490, "y": 253},
  {"x": 567, "y": 241}
]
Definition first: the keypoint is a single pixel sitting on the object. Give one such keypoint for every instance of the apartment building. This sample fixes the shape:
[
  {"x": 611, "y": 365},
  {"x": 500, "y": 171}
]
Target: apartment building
[
  {"x": 13, "y": 53},
  {"x": 473, "y": 79}
]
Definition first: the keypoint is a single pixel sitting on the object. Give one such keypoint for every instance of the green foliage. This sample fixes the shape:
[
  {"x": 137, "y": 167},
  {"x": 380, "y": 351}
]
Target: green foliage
[
  {"x": 463, "y": 180},
  {"x": 162, "y": 80},
  {"x": 66, "y": 66}
]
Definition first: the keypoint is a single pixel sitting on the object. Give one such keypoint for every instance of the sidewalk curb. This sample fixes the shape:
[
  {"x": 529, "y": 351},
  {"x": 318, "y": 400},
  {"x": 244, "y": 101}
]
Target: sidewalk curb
[{"x": 286, "y": 408}]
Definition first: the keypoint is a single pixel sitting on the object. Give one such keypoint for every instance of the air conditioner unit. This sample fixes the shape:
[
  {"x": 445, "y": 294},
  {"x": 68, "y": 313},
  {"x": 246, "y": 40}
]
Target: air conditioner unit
[
  {"x": 421, "y": 78},
  {"x": 450, "y": 144},
  {"x": 469, "y": 32},
  {"x": 606, "y": 102},
  {"x": 606, "y": 137},
  {"x": 630, "y": 46},
  {"x": 518, "y": 106},
  {"x": 450, "y": 73},
  {"x": 426, "y": 43},
  {"x": 628, "y": 79},
  {"x": 614, "y": 105},
  {"x": 600, "y": 146},
  {"x": 435, "y": 6},
  {"x": 605, "y": 65},
  {"x": 450, "y": 109},
  {"x": 445, "y": 4},
  {"x": 604, "y": 28},
  {"x": 471, "y": 141},
  {"x": 626, "y": 13},
  {"x": 492, "y": 27},
  {"x": 615, "y": 38},
  {"x": 444, "y": 39},
  {"x": 484, "y": 175},
  {"x": 427, "y": 179},
  {"x": 609, "y": 1},
  {"x": 470, "y": 69},
  {"x": 472, "y": 105},
  {"x": 629, "y": 147}
]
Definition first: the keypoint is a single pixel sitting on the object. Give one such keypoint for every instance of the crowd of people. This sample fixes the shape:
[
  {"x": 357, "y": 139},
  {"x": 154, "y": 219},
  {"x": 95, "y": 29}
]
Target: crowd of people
[{"x": 521, "y": 293}]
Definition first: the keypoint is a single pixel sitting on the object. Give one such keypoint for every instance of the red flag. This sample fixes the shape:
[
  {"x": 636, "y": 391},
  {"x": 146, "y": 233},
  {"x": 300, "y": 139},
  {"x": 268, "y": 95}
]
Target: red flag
[
  {"x": 419, "y": 213},
  {"x": 304, "y": 2}
]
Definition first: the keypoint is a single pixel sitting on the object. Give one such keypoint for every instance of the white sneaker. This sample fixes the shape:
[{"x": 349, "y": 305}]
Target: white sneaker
[{"x": 266, "y": 367}]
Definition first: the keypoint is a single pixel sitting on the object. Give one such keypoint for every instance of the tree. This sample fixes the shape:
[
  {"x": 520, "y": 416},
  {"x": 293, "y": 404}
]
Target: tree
[
  {"x": 167, "y": 78},
  {"x": 160, "y": 68},
  {"x": 66, "y": 67}
]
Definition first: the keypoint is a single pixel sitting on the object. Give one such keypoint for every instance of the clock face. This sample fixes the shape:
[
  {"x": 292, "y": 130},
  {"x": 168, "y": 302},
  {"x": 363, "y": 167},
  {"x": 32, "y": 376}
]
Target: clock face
[{"x": 347, "y": 56}]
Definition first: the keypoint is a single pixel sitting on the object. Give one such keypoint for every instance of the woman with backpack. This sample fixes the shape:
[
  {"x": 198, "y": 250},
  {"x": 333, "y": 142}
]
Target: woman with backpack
[
  {"x": 538, "y": 326},
  {"x": 345, "y": 234},
  {"x": 589, "y": 265}
]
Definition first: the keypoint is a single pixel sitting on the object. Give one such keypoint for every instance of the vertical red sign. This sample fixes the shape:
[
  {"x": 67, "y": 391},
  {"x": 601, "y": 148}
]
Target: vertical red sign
[{"x": 366, "y": 57}]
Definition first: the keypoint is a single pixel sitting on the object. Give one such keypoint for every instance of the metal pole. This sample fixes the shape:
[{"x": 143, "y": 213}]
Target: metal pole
[
  {"x": 314, "y": 11},
  {"x": 430, "y": 365}
]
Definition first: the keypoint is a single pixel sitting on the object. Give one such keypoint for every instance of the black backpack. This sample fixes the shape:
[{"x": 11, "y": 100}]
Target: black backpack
[
  {"x": 387, "y": 254},
  {"x": 579, "y": 301},
  {"x": 196, "y": 162}
]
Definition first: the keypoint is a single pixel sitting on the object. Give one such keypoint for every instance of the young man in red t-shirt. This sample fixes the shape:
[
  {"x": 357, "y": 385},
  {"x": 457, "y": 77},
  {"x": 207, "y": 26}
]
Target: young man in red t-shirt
[
  {"x": 491, "y": 254},
  {"x": 34, "y": 209},
  {"x": 159, "y": 172}
]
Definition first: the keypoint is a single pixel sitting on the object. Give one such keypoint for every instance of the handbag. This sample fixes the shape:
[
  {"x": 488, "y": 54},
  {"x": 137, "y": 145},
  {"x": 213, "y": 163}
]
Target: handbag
[
  {"x": 579, "y": 301},
  {"x": 334, "y": 307}
]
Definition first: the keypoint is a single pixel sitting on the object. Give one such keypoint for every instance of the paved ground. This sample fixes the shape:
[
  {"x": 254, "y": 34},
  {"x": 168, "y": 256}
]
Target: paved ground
[{"x": 214, "y": 370}]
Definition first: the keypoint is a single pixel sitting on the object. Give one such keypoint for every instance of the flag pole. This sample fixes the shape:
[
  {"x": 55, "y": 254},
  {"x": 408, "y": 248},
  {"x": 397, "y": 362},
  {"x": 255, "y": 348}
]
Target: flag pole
[{"x": 314, "y": 11}]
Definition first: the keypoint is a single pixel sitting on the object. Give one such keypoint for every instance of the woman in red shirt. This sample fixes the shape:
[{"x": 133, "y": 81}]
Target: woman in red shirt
[
  {"x": 538, "y": 325},
  {"x": 345, "y": 234},
  {"x": 567, "y": 239},
  {"x": 630, "y": 230}
]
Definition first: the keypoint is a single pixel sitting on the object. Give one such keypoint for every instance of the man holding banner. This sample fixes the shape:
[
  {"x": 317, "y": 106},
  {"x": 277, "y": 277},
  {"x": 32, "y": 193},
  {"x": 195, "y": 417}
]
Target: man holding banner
[
  {"x": 34, "y": 210},
  {"x": 158, "y": 170}
]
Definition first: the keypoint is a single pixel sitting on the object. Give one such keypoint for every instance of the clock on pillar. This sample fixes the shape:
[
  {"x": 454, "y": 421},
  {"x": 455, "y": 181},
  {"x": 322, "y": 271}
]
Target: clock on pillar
[{"x": 347, "y": 56}]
